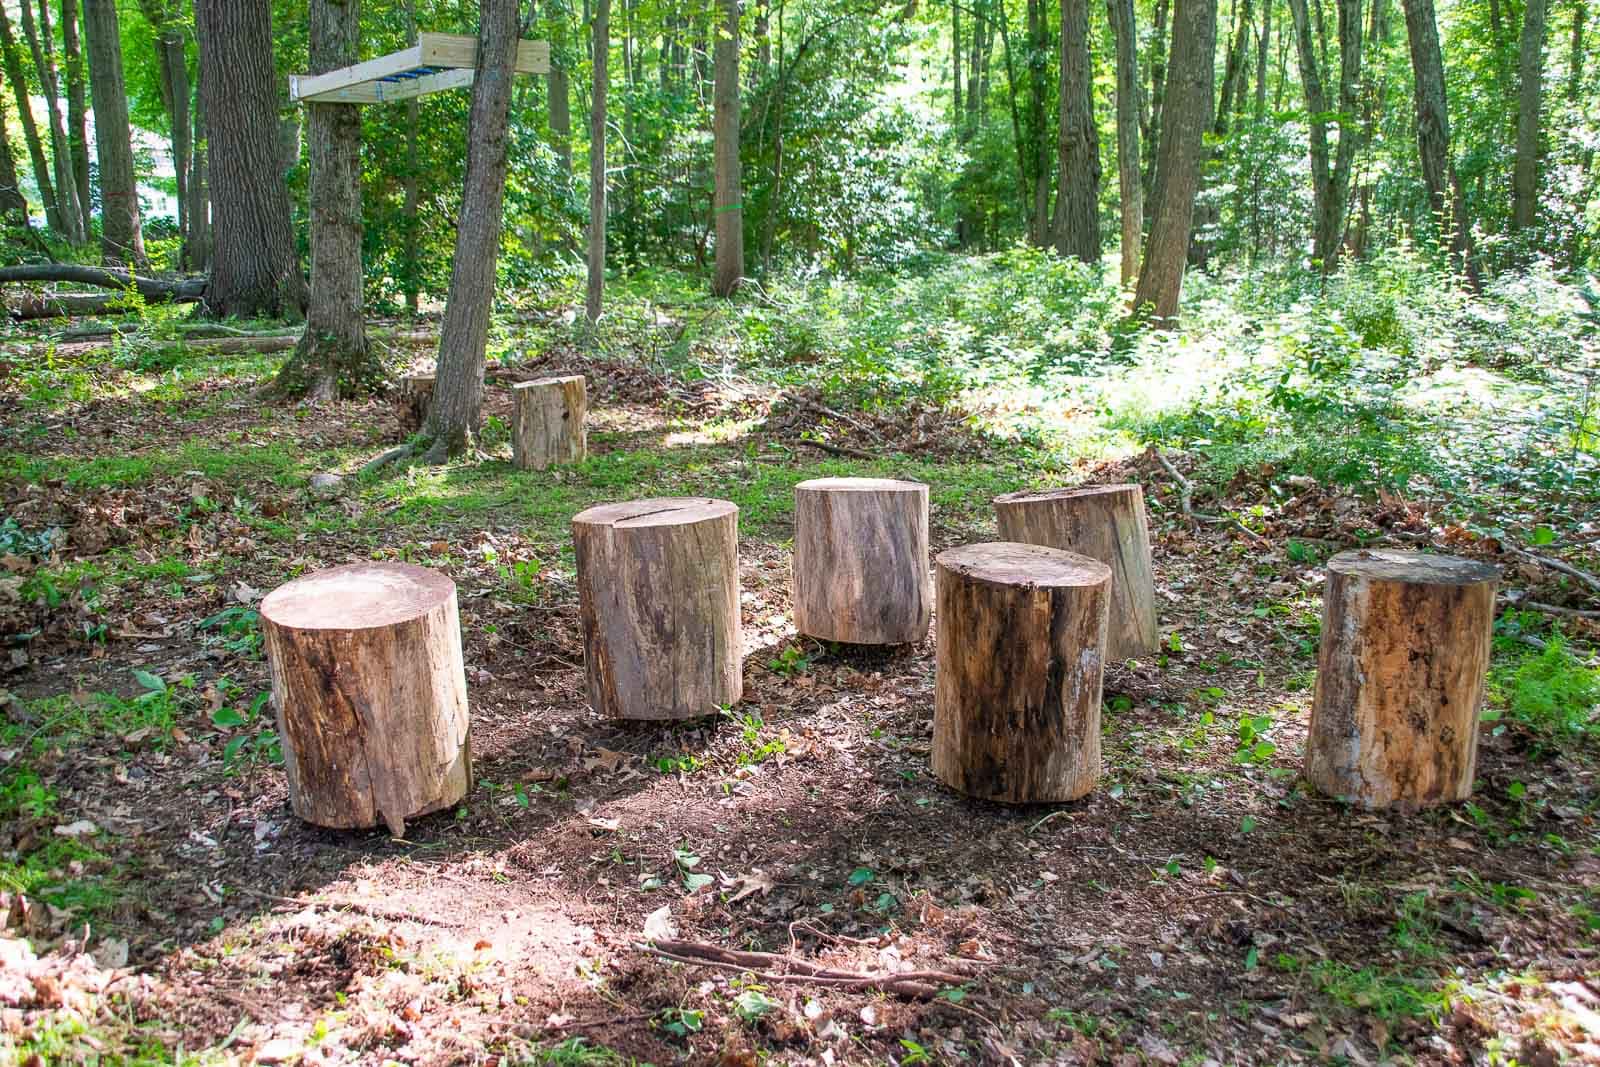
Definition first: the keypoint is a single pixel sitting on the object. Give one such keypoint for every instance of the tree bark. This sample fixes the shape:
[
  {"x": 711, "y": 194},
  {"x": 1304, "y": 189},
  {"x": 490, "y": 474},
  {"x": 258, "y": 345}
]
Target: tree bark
[
  {"x": 1158, "y": 98},
  {"x": 197, "y": 246},
  {"x": 1184, "y": 119},
  {"x": 151, "y": 289},
  {"x": 561, "y": 118},
  {"x": 1129, "y": 190},
  {"x": 1077, "y": 222},
  {"x": 74, "y": 215},
  {"x": 861, "y": 560},
  {"x": 729, "y": 268},
  {"x": 658, "y": 589},
  {"x": 11, "y": 59},
  {"x": 371, "y": 694},
  {"x": 1433, "y": 135},
  {"x": 547, "y": 416},
  {"x": 13, "y": 205},
  {"x": 333, "y": 358},
  {"x": 1020, "y": 665},
  {"x": 77, "y": 103},
  {"x": 121, "y": 235},
  {"x": 1042, "y": 229},
  {"x": 601, "y": 37},
  {"x": 255, "y": 272},
  {"x": 1263, "y": 58},
  {"x": 1575, "y": 57},
  {"x": 458, "y": 395},
  {"x": 1400, "y": 677},
  {"x": 1106, "y": 523},
  {"x": 1525, "y": 179},
  {"x": 175, "y": 96}
]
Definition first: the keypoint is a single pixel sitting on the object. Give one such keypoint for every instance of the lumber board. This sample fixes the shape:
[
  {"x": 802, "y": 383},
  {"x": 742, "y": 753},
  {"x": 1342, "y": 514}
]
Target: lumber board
[{"x": 437, "y": 62}]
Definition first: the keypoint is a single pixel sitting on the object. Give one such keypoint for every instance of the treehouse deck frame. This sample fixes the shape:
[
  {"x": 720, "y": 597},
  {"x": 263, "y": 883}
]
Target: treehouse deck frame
[{"x": 436, "y": 63}]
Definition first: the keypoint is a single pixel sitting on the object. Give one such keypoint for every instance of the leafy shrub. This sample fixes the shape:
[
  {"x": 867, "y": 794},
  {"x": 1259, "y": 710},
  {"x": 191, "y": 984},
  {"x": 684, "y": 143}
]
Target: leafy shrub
[{"x": 1554, "y": 692}]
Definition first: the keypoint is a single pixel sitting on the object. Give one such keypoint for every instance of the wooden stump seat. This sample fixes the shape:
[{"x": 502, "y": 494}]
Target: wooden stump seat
[
  {"x": 547, "y": 422},
  {"x": 658, "y": 585},
  {"x": 371, "y": 694},
  {"x": 1103, "y": 522},
  {"x": 861, "y": 560},
  {"x": 1020, "y": 659},
  {"x": 1400, "y": 677}
]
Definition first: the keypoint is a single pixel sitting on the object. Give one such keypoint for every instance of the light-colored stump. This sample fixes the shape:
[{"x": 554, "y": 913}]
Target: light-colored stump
[
  {"x": 371, "y": 696},
  {"x": 1020, "y": 660},
  {"x": 411, "y": 401},
  {"x": 547, "y": 422},
  {"x": 1400, "y": 677},
  {"x": 658, "y": 585},
  {"x": 861, "y": 560},
  {"x": 1103, "y": 522}
]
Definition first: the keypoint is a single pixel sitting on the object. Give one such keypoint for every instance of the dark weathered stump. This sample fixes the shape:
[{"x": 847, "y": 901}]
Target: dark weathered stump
[
  {"x": 1103, "y": 522},
  {"x": 1021, "y": 656},
  {"x": 1400, "y": 677},
  {"x": 658, "y": 584},
  {"x": 547, "y": 422},
  {"x": 411, "y": 400},
  {"x": 861, "y": 560},
  {"x": 370, "y": 692}
]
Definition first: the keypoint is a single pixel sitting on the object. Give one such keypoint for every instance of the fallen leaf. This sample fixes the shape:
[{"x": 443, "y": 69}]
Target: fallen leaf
[
  {"x": 658, "y": 925},
  {"x": 81, "y": 828}
]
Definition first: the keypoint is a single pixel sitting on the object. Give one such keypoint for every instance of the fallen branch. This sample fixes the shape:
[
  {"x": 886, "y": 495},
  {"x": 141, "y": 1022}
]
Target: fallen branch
[
  {"x": 1553, "y": 609},
  {"x": 370, "y": 910},
  {"x": 394, "y": 455},
  {"x": 102, "y": 278},
  {"x": 837, "y": 450},
  {"x": 1561, "y": 568},
  {"x": 1185, "y": 486},
  {"x": 773, "y": 967}
]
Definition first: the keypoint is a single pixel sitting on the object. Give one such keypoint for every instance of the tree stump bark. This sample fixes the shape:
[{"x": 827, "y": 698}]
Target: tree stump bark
[
  {"x": 658, "y": 586},
  {"x": 1021, "y": 656},
  {"x": 371, "y": 696},
  {"x": 861, "y": 560},
  {"x": 547, "y": 422},
  {"x": 1400, "y": 677},
  {"x": 1103, "y": 522},
  {"x": 412, "y": 400}
]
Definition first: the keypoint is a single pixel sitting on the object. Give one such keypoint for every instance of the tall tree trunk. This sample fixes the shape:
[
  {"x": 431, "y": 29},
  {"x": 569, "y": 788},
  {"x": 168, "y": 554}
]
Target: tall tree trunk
[
  {"x": 1331, "y": 222},
  {"x": 333, "y": 357},
  {"x": 1233, "y": 69},
  {"x": 729, "y": 269},
  {"x": 198, "y": 245},
  {"x": 1580, "y": 16},
  {"x": 1525, "y": 181},
  {"x": 175, "y": 96},
  {"x": 1185, "y": 116},
  {"x": 1263, "y": 56},
  {"x": 601, "y": 47},
  {"x": 1018, "y": 139},
  {"x": 121, "y": 236},
  {"x": 11, "y": 59},
  {"x": 955, "y": 64},
  {"x": 73, "y": 214},
  {"x": 13, "y": 205},
  {"x": 1038, "y": 71},
  {"x": 1433, "y": 134},
  {"x": 1316, "y": 114},
  {"x": 1129, "y": 190},
  {"x": 255, "y": 272},
  {"x": 1077, "y": 223},
  {"x": 1158, "y": 96},
  {"x": 410, "y": 190},
  {"x": 458, "y": 387},
  {"x": 77, "y": 103},
  {"x": 561, "y": 118}
]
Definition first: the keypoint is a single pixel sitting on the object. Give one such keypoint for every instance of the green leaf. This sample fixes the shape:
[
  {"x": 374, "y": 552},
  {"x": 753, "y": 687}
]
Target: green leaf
[
  {"x": 1247, "y": 824},
  {"x": 1542, "y": 535},
  {"x": 231, "y": 752},
  {"x": 227, "y": 718},
  {"x": 752, "y": 1004},
  {"x": 954, "y": 996},
  {"x": 685, "y": 858},
  {"x": 696, "y": 882},
  {"x": 151, "y": 682},
  {"x": 1263, "y": 750},
  {"x": 1250, "y": 958},
  {"x": 1516, "y": 791},
  {"x": 861, "y": 876}
]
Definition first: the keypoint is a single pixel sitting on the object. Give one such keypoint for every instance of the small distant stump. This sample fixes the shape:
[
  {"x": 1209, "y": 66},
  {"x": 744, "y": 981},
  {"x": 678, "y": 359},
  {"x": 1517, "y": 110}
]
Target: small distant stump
[
  {"x": 371, "y": 695},
  {"x": 1400, "y": 677},
  {"x": 547, "y": 422},
  {"x": 1020, "y": 660},
  {"x": 411, "y": 402},
  {"x": 861, "y": 560},
  {"x": 1103, "y": 522},
  {"x": 658, "y": 586}
]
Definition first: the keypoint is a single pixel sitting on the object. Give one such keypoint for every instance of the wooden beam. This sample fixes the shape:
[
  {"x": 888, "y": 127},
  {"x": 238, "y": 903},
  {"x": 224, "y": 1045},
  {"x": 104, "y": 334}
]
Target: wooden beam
[
  {"x": 379, "y": 92},
  {"x": 437, "y": 62}
]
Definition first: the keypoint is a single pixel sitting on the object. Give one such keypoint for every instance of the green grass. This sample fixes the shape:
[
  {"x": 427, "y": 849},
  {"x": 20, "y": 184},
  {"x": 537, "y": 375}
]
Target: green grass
[
  {"x": 1387, "y": 994},
  {"x": 275, "y": 462}
]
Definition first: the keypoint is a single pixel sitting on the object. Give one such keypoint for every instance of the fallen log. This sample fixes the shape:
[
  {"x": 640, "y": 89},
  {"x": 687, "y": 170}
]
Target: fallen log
[
  {"x": 772, "y": 967},
  {"x": 160, "y": 289}
]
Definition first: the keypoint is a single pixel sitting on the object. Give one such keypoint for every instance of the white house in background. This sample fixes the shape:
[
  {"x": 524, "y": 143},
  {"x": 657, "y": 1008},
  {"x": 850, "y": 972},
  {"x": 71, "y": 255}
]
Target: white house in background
[{"x": 153, "y": 203}]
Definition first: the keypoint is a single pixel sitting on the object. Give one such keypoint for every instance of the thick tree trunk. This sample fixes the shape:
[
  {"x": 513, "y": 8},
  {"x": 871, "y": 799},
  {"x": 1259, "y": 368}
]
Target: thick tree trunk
[
  {"x": 1129, "y": 190},
  {"x": 1106, "y": 523},
  {"x": 729, "y": 268},
  {"x": 371, "y": 694},
  {"x": 255, "y": 272},
  {"x": 77, "y": 103},
  {"x": 547, "y": 417},
  {"x": 1400, "y": 677},
  {"x": 121, "y": 235},
  {"x": 658, "y": 589},
  {"x": 1020, "y": 664},
  {"x": 1158, "y": 98},
  {"x": 861, "y": 560},
  {"x": 74, "y": 215},
  {"x": 1077, "y": 222},
  {"x": 1433, "y": 134},
  {"x": 594, "y": 293},
  {"x": 11, "y": 60},
  {"x": 333, "y": 358},
  {"x": 458, "y": 396},
  {"x": 1525, "y": 180},
  {"x": 1184, "y": 118}
]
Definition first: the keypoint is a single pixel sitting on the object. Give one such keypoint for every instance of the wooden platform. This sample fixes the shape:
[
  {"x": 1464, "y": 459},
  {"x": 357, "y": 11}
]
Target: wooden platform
[{"x": 437, "y": 62}]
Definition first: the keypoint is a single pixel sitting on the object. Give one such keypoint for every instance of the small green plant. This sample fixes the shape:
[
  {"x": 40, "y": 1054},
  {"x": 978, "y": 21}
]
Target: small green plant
[
  {"x": 752, "y": 749},
  {"x": 1554, "y": 692},
  {"x": 680, "y": 1022},
  {"x": 752, "y": 1003},
  {"x": 239, "y": 628},
  {"x": 1416, "y": 926},
  {"x": 254, "y": 741},
  {"x": 1253, "y": 744},
  {"x": 521, "y": 578},
  {"x": 790, "y": 662}
]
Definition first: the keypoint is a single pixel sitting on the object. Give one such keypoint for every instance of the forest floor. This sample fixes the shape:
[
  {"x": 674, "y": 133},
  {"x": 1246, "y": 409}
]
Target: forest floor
[{"x": 1201, "y": 906}]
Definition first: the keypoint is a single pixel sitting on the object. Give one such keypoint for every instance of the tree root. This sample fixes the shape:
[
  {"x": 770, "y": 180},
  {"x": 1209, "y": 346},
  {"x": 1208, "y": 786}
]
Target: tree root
[{"x": 773, "y": 967}]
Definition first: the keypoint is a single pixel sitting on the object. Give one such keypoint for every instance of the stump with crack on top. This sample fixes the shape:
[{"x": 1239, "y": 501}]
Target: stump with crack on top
[
  {"x": 658, "y": 588},
  {"x": 1400, "y": 677},
  {"x": 371, "y": 694},
  {"x": 861, "y": 560},
  {"x": 1020, "y": 661}
]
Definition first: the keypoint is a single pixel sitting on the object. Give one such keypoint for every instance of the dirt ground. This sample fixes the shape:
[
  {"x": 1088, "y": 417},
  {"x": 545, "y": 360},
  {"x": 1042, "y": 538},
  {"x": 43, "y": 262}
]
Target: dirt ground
[{"x": 1194, "y": 909}]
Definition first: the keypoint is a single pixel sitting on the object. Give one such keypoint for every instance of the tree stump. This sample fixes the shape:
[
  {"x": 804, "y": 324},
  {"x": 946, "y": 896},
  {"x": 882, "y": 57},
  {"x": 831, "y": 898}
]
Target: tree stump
[
  {"x": 1400, "y": 677},
  {"x": 1103, "y": 522},
  {"x": 658, "y": 586},
  {"x": 411, "y": 402},
  {"x": 371, "y": 695},
  {"x": 547, "y": 422},
  {"x": 1020, "y": 660},
  {"x": 861, "y": 560}
]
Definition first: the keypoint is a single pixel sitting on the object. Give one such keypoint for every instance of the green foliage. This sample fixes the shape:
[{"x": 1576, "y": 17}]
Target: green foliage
[{"x": 1553, "y": 693}]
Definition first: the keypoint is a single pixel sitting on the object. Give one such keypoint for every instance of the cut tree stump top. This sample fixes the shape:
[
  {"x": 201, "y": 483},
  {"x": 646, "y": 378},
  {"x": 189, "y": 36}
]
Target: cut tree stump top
[
  {"x": 862, "y": 485},
  {"x": 1013, "y": 563},
  {"x": 656, "y": 511},
  {"x": 534, "y": 383},
  {"x": 1419, "y": 568},
  {"x": 1026, "y": 496},
  {"x": 361, "y": 596}
]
